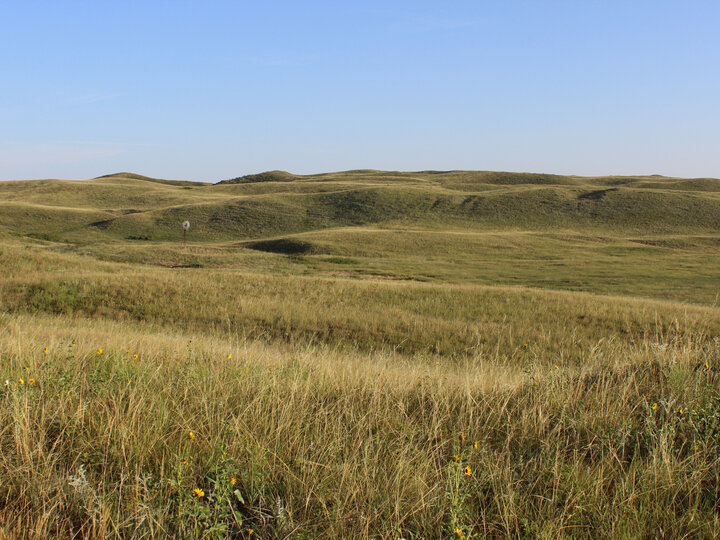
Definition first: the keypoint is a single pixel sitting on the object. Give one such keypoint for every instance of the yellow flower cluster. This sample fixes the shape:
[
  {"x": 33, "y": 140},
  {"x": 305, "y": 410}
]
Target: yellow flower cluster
[{"x": 20, "y": 381}]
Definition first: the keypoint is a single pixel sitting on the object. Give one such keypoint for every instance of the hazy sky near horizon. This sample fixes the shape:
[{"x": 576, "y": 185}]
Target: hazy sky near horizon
[{"x": 214, "y": 90}]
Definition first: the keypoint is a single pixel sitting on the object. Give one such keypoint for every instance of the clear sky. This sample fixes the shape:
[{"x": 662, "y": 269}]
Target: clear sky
[{"x": 217, "y": 89}]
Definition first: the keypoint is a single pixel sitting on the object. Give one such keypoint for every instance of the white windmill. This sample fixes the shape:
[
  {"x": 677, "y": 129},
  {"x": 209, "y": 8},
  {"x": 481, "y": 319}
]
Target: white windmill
[{"x": 186, "y": 228}]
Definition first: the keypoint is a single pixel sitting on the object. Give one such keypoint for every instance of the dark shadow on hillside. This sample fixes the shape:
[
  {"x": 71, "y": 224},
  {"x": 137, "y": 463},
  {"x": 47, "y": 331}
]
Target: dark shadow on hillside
[
  {"x": 102, "y": 224},
  {"x": 596, "y": 195},
  {"x": 285, "y": 246}
]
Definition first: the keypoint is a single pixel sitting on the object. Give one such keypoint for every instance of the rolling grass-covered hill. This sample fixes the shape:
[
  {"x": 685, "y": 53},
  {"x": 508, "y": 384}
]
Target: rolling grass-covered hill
[
  {"x": 361, "y": 354},
  {"x": 266, "y": 204},
  {"x": 628, "y": 235}
]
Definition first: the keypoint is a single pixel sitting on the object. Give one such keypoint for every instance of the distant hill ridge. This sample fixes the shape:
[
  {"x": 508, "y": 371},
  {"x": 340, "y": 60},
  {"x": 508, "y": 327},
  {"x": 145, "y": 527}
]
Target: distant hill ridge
[
  {"x": 489, "y": 177},
  {"x": 275, "y": 203}
]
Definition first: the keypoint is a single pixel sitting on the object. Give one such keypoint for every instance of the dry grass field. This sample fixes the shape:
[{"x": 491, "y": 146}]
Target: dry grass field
[{"x": 360, "y": 355}]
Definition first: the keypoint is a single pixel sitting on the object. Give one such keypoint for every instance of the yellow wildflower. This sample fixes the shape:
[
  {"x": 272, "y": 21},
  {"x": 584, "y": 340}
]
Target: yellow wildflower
[
  {"x": 459, "y": 532},
  {"x": 233, "y": 481},
  {"x": 191, "y": 435},
  {"x": 557, "y": 367},
  {"x": 707, "y": 366},
  {"x": 184, "y": 461},
  {"x": 229, "y": 356},
  {"x": 456, "y": 458},
  {"x": 100, "y": 351},
  {"x": 250, "y": 531},
  {"x": 462, "y": 436},
  {"x": 31, "y": 381},
  {"x": 21, "y": 381},
  {"x": 47, "y": 349},
  {"x": 475, "y": 445},
  {"x": 468, "y": 471},
  {"x": 198, "y": 492},
  {"x": 135, "y": 356},
  {"x": 653, "y": 406}
]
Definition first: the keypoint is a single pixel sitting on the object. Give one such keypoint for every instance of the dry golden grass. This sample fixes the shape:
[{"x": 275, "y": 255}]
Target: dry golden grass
[
  {"x": 407, "y": 317},
  {"x": 342, "y": 444},
  {"x": 215, "y": 391}
]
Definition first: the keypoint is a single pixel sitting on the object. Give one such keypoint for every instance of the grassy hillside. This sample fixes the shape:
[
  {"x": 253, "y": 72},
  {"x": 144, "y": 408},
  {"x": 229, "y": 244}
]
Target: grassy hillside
[
  {"x": 363, "y": 354},
  {"x": 277, "y": 202},
  {"x": 643, "y": 236}
]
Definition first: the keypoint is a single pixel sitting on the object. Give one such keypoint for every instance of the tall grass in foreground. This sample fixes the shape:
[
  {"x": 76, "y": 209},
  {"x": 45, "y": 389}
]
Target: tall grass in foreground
[{"x": 125, "y": 433}]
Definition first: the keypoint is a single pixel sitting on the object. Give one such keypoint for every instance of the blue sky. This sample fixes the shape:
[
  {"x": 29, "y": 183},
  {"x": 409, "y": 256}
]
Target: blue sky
[{"x": 213, "y": 90}]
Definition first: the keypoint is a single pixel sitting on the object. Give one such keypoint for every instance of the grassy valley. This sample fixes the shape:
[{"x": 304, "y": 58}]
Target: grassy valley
[{"x": 363, "y": 354}]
